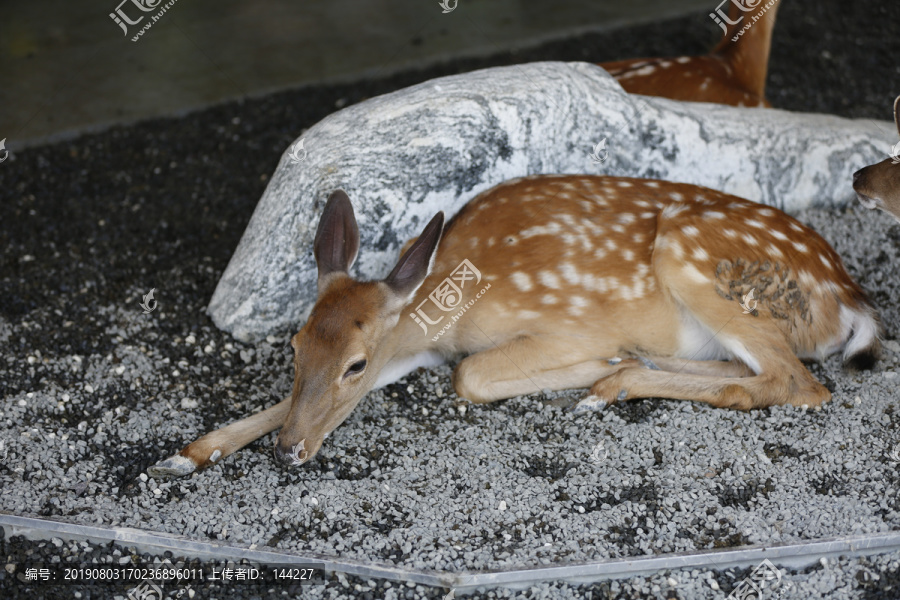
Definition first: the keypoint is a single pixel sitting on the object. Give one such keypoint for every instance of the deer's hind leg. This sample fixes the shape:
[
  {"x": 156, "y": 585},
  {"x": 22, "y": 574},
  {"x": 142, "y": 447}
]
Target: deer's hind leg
[{"x": 777, "y": 375}]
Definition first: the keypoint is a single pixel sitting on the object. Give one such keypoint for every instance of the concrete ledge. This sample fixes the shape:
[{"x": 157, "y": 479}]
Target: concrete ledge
[{"x": 793, "y": 555}]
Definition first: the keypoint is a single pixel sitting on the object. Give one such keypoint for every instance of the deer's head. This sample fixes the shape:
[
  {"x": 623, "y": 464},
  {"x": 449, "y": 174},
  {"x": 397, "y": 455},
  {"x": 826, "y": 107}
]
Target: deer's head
[
  {"x": 878, "y": 185},
  {"x": 347, "y": 339}
]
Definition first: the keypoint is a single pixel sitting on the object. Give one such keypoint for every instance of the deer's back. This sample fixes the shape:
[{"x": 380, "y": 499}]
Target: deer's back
[{"x": 593, "y": 255}]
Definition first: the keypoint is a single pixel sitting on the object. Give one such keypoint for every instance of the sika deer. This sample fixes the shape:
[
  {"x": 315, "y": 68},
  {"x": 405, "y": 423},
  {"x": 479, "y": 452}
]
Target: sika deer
[
  {"x": 630, "y": 287},
  {"x": 878, "y": 186},
  {"x": 734, "y": 72}
]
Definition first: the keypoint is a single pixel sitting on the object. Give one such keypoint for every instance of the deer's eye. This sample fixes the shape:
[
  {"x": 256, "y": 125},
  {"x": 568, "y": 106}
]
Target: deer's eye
[{"x": 357, "y": 367}]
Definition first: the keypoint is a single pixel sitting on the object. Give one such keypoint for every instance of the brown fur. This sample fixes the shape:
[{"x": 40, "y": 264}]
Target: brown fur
[{"x": 733, "y": 73}]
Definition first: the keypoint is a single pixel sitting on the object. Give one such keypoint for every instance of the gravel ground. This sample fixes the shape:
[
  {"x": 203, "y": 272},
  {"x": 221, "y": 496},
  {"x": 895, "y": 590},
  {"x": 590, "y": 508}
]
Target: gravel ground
[{"x": 94, "y": 391}]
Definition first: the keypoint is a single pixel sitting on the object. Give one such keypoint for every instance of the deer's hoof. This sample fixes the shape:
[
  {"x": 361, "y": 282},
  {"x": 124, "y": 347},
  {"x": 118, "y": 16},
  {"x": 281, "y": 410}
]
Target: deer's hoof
[
  {"x": 590, "y": 403},
  {"x": 174, "y": 466}
]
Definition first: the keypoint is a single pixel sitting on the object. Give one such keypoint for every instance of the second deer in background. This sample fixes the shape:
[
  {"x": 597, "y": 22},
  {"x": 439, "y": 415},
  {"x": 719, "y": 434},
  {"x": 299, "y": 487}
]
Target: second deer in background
[
  {"x": 878, "y": 185},
  {"x": 733, "y": 73}
]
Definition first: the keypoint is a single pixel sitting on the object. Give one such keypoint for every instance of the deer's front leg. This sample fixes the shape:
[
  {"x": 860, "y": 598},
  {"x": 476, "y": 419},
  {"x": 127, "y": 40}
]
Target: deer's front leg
[
  {"x": 216, "y": 445},
  {"x": 530, "y": 364}
]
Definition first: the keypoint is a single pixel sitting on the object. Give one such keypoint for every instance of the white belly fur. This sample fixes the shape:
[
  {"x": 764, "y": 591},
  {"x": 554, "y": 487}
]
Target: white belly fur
[{"x": 396, "y": 369}]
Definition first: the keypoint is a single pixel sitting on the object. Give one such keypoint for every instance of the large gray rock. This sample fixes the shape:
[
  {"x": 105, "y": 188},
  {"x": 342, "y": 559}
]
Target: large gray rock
[{"x": 404, "y": 156}]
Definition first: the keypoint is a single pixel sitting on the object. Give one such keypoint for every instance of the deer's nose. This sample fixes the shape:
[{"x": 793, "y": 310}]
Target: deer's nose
[
  {"x": 292, "y": 455},
  {"x": 856, "y": 175}
]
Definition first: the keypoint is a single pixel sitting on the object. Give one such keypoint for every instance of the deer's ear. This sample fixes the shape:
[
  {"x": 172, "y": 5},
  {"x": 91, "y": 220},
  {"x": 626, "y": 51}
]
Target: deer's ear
[
  {"x": 337, "y": 238},
  {"x": 415, "y": 264},
  {"x": 897, "y": 113}
]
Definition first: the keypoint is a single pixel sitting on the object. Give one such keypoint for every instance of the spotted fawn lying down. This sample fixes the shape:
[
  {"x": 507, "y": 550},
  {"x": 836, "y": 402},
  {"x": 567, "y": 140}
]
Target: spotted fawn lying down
[{"x": 633, "y": 288}]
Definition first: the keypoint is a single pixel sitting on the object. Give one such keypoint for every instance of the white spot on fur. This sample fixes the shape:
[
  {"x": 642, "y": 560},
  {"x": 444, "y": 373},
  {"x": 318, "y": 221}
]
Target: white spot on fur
[
  {"x": 549, "y": 279},
  {"x": 569, "y": 273},
  {"x": 643, "y": 71},
  {"x": 806, "y": 279},
  {"x": 551, "y": 228},
  {"x": 522, "y": 281},
  {"x": 691, "y": 272},
  {"x": 673, "y": 210}
]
